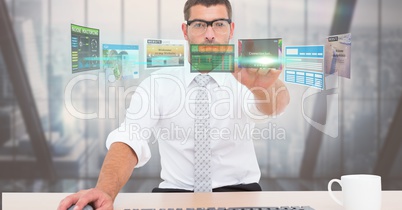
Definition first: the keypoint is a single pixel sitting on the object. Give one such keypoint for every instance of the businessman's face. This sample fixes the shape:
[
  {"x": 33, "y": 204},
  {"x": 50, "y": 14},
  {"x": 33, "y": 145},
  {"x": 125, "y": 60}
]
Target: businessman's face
[{"x": 219, "y": 33}]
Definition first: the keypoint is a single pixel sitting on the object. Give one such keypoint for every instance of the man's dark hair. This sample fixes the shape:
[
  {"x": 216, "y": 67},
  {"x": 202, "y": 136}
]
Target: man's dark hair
[{"x": 207, "y": 3}]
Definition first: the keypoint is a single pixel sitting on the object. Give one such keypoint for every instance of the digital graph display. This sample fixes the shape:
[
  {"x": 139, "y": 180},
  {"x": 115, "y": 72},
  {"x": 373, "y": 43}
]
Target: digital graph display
[
  {"x": 85, "y": 50},
  {"x": 212, "y": 58}
]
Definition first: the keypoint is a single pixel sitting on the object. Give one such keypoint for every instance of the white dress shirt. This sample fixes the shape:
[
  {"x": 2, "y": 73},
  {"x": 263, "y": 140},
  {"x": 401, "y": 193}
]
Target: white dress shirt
[{"x": 163, "y": 105}]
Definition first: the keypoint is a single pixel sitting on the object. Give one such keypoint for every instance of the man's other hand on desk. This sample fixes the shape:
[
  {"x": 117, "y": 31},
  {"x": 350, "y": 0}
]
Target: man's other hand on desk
[{"x": 99, "y": 200}]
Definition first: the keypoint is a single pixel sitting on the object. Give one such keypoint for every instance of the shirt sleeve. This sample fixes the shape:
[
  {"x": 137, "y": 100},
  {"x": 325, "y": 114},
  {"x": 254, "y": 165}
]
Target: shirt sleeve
[{"x": 141, "y": 117}]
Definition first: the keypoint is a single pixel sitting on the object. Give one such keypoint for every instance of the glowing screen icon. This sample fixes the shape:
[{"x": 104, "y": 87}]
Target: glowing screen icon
[{"x": 260, "y": 53}]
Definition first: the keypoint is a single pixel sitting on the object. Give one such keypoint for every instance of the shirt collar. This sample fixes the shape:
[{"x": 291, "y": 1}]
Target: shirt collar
[{"x": 219, "y": 78}]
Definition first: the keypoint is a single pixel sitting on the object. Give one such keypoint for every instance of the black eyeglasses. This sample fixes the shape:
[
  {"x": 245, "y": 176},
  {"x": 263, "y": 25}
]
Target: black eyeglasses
[{"x": 198, "y": 27}]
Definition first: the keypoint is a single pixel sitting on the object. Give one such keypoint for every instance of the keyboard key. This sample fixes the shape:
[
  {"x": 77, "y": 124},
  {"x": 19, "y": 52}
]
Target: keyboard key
[{"x": 235, "y": 208}]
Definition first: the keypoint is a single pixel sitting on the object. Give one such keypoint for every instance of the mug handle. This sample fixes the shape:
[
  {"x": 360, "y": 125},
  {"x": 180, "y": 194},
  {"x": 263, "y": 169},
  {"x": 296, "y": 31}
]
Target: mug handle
[{"x": 331, "y": 193}]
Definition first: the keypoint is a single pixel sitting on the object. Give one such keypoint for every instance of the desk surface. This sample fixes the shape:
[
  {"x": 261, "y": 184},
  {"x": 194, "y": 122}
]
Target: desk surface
[{"x": 316, "y": 199}]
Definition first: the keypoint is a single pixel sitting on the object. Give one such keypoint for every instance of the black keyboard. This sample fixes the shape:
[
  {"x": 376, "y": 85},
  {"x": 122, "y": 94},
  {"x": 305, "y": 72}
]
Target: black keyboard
[{"x": 237, "y": 208}]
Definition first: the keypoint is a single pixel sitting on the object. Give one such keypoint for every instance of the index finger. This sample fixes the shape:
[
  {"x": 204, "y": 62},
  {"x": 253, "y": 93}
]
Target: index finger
[
  {"x": 87, "y": 198},
  {"x": 68, "y": 201}
]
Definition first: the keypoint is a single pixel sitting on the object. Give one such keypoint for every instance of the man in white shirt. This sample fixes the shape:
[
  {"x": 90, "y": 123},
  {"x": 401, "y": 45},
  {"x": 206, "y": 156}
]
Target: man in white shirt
[{"x": 164, "y": 104}]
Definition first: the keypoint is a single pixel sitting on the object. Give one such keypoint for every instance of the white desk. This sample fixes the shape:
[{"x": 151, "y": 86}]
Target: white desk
[{"x": 319, "y": 200}]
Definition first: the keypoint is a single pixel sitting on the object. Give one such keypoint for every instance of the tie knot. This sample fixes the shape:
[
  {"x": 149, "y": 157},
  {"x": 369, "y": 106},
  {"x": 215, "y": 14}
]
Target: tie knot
[{"x": 202, "y": 79}]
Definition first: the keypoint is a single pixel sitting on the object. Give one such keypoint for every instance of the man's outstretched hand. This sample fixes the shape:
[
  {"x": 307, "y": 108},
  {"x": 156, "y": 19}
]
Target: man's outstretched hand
[
  {"x": 271, "y": 92},
  {"x": 256, "y": 78}
]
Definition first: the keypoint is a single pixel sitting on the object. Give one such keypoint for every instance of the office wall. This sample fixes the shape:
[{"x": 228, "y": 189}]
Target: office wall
[{"x": 366, "y": 106}]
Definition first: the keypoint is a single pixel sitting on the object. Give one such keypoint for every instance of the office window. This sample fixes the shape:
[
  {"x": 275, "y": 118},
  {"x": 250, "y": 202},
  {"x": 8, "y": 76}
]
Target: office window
[{"x": 366, "y": 107}]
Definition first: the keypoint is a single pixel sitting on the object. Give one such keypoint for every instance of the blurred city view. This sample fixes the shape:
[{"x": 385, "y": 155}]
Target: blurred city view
[{"x": 362, "y": 115}]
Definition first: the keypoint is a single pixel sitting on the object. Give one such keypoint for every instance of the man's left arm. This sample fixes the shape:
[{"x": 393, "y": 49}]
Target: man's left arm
[{"x": 269, "y": 91}]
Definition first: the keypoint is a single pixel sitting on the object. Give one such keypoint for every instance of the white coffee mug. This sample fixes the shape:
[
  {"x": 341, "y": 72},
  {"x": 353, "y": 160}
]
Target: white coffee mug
[{"x": 360, "y": 191}]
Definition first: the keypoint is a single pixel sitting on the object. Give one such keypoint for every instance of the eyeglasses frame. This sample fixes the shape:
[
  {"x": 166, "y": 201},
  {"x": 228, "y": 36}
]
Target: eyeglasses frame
[{"x": 209, "y": 23}]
